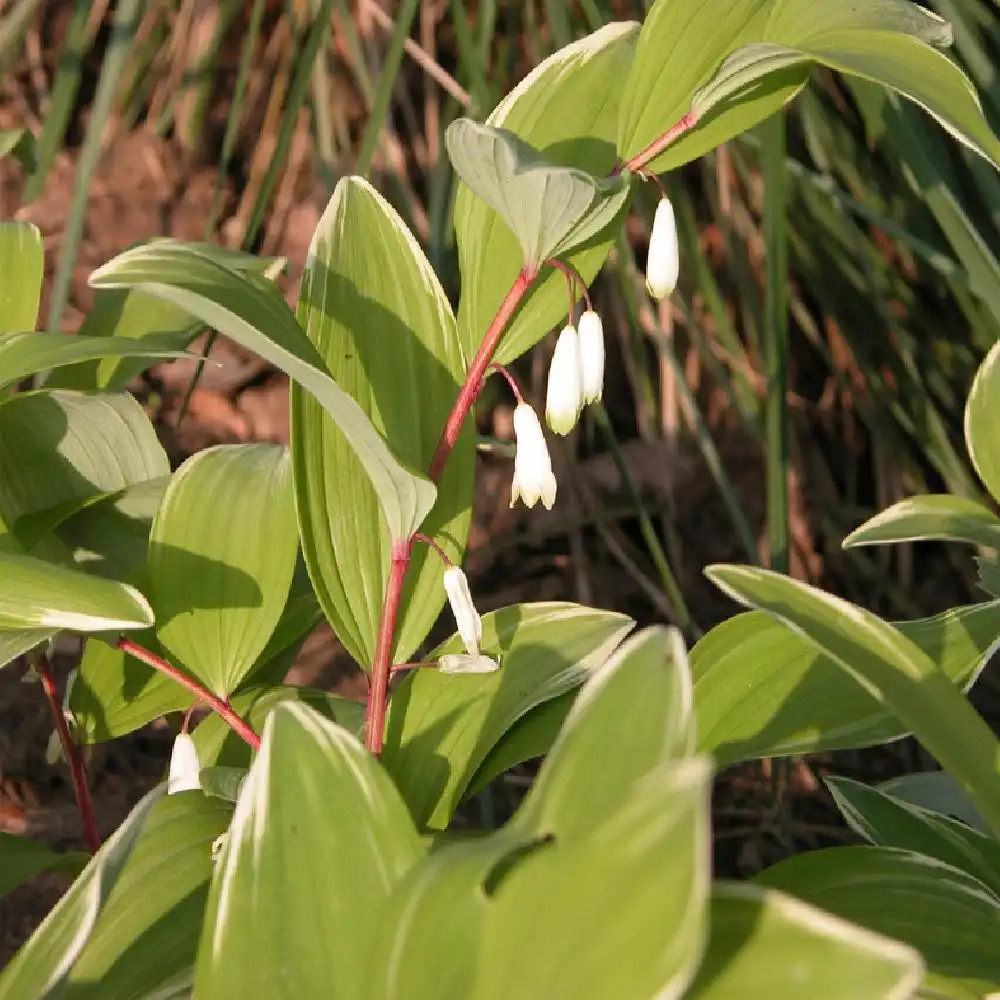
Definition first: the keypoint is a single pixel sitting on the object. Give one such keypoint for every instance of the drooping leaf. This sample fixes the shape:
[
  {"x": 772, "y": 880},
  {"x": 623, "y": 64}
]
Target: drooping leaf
[
  {"x": 322, "y": 835},
  {"x": 892, "y": 668},
  {"x": 766, "y": 945},
  {"x": 937, "y": 791},
  {"x": 40, "y": 968},
  {"x": 22, "y": 859},
  {"x": 952, "y": 919},
  {"x": 148, "y": 930},
  {"x": 886, "y": 821},
  {"x": 567, "y": 109},
  {"x": 36, "y": 594},
  {"x": 22, "y": 264},
  {"x": 222, "y": 551},
  {"x": 62, "y": 450},
  {"x": 763, "y": 691},
  {"x": 938, "y": 516},
  {"x": 377, "y": 315},
  {"x": 252, "y": 312},
  {"x": 980, "y": 423},
  {"x": 440, "y": 728}
]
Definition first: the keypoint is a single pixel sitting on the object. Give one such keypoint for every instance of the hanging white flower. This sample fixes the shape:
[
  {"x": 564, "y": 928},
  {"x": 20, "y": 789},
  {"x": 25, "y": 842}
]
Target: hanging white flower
[
  {"x": 564, "y": 398},
  {"x": 462, "y": 663},
  {"x": 591, "y": 332},
  {"x": 184, "y": 766},
  {"x": 663, "y": 261},
  {"x": 470, "y": 625},
  {"x": 533, "y": 478}
]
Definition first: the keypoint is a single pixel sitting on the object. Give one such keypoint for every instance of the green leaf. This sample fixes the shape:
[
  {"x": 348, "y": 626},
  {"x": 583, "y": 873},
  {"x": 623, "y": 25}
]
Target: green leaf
[
  {"x": 252, "y": 312},
  {"x": 15, "y": 642},
  {"x": 222, "y": 552},
  {"x": 892, "y": 668},
  {"x": 22, "y": 859},
  {"x": 19, "y": 143},
  {"x": 218, "y": 745},
  {"x": 634, "y": 926},
  {"x": 980, "y": 422},
  {"x": 763, "y": 691},
  {"x": 440, "y": 728},
  {"x": 937, "y": 791},
  {"x": 550, "y": 209},
  {"x": 567, "y": 109},
  {"x": 321, "y": 834},
  {"x": 22, "y": 264},
  {"x": 148, "y": 931},
  {"x": 733, "y": 64},
  {"x": 34, "y": 594},
  {"x": 937, "y": 516},
  {"x": 23, "y": 354},
  {"x": 40, "y": 968},
  {"x": 585, "y": 777},
  {"x": 952, "y": 919},
  {"x": 62, "y": 450},
  {"x": 886, "y": 821},
  {"x": 375, "y": 312},
  {"x": 766, "y": 945}
]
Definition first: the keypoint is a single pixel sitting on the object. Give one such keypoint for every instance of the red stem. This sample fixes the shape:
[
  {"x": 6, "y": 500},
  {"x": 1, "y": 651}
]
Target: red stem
[
  {"x": 221, "y": 708},
  {"x": 477, "y": 370},
  {"x": 378, "y": 688},
  {"x": 657, "y": 146},
  {"x": 71, "y": 749}
]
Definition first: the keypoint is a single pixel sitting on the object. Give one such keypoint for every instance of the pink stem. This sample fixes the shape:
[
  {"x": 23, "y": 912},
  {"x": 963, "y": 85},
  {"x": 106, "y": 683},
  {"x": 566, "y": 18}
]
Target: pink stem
[
  {"x": 514, "y": 387},
  {"x": 74, "y": 757},
  {"x": 657, "y": 146},
  {"x": 221, "y": 708}
]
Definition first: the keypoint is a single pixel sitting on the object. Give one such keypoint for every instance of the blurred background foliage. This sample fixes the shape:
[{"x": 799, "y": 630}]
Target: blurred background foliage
[{"x": 231, "y": 120}]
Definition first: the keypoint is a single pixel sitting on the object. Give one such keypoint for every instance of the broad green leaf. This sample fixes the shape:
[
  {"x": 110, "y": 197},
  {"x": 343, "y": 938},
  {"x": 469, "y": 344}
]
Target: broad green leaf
[
  {"x": 222, "y": 552},
  {"x": 148, "y": 931},
  {"x": 938, "y": 792},
  {"x": 886, "y": 821},
  {"x": 585, "y": 778},
  {"x": 952, "y": 919},
  {"x": 892, "y": 668},
  {"x": 251, "y": 311},
  {"x": 620, "y": 912},
  {"x": 22, "y": 264},
  {"x": 218, "y": 745},
  {"x": 937, "y": 516},
  {"x": 24, "y": 354},
  {"x": 36, "y": 594},
  {"x": 132, "y": 314},
  {"x": 766, "y": 945},
  {"x": 980, "y": 423},
  {"x": 321, "y": 834},
  {"x": 62, "y": 450},
  {"x": 19, "y": 143},
  {"x": 22, "y": 859},
  {"x": 567, "y": 109},
  {"x": 15, "y": 642},
  {"x": 376, "y": 314},
  {"x": 734, "y": 63},
  {"x": 440, "y": 728},
  {"x": 550, "y": 209},
  {"x": 760, "y": 690},
  {"x": 40, "y": 968},
  {"x": 989, "y": 574}
]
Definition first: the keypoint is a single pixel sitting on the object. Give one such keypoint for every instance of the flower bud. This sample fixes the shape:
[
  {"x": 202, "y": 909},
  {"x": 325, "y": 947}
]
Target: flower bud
[
  {"x": 564, "y": 397},
  {"x": 460, "y": 663},
  {"x": 591, "y": 356},
  {"x": 663, "y": 261},
  {"x": 533, "y": 478},
  {"x": 470, "y": 625},
  {"x": 184, "y": 766}
]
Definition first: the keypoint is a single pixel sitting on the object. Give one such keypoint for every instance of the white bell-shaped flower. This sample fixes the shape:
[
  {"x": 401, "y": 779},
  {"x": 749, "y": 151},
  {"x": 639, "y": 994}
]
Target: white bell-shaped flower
[
  {"x": 470, "y": 625},
  {"x": 533, "y": 478},
  {"x": 663, "y": 261},
  {"x": 462, "y": 663},
  {"x": 564, "y": 398},
  {"x": 591, "y": 333},
  {"x": 184, "y": 766}
]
